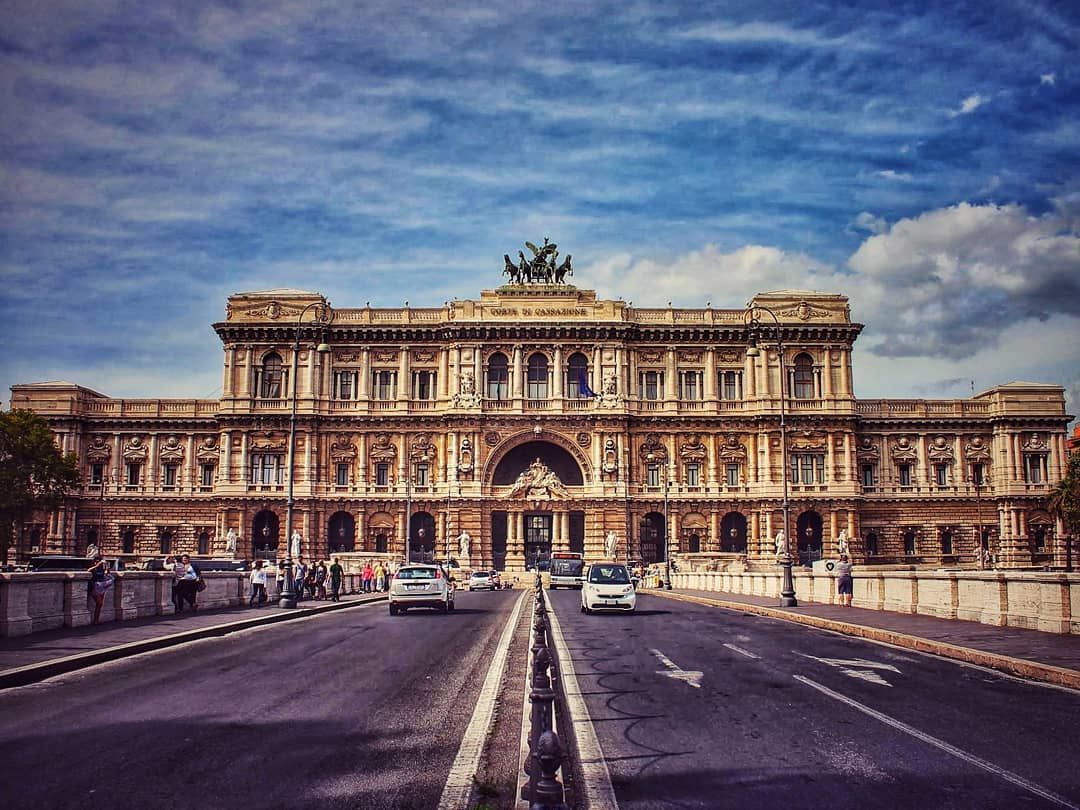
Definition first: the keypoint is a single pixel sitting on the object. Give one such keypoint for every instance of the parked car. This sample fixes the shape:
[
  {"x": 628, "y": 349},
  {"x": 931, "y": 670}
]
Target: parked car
[
  {"x": 608, "y": 586},
  {"x": 420, "y": 585},
  {"x": 481, "y": 581}
]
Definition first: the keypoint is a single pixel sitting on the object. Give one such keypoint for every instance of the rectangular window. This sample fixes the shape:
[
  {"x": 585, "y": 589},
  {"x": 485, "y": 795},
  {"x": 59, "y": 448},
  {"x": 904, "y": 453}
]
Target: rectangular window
[
  {"x": 909, "y": 543},
  {"x": 423, "y": 385},
  {"x": 207, "y": 480},
  {"x": 731, "y": 475},
  {"x": 423, "y": 475},
  {"x": 946, "y": 541},
  {"x": 807, "y": 469},
  {"x": 267, "y": 469},
  {"x": 903, "y": 472},
  {"x": 978, "y": 474},
  {"x": 730, "y": 385},
  {"x": 382, "y": 474},
  {"x": 1033, "y": 466},
  {"x": 652, "y": 475},
  {"x": 651, "y": 385},
  {"x": 168, "y": 476},
  {"x": 341, "y": 474},
  {"x": 941, "y": 474},
  {"x": 134, "y": 472},
  {"x": 867, "y": 475},
  {"x": 384, "y": 385},
  {"x": 345, "y": 384},
  {"x": 693, "y": 474},
  {"x": 690, "y": 387},
  {"x": 97, "y": 474}
]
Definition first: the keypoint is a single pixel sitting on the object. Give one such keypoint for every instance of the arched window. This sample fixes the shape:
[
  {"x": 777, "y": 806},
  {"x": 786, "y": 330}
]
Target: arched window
[
  {"x": 537, "y": 376},
  {"x": 577, "y": 377},
  {"x": 803, "y": 377},
  {"x": 270, "y": 377},
  {"x": 498, "y": 377}
]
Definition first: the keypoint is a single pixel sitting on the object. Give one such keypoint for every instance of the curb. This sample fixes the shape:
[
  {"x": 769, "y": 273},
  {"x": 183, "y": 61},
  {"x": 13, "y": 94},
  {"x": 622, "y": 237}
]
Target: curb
[
  {"x": 1046, "y": 673},
  {"x": 33, "y": 673}
]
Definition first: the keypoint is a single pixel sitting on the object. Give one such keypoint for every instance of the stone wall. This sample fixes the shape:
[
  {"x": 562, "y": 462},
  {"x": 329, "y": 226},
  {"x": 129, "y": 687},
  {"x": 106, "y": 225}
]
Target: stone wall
[
  {"x": 1037, "y": 601},
  {"x": 30, "y": 603}
]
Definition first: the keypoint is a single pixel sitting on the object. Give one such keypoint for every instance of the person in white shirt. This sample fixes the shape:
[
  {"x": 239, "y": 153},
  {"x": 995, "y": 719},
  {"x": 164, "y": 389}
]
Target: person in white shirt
[{"x": 258, "y": 584}]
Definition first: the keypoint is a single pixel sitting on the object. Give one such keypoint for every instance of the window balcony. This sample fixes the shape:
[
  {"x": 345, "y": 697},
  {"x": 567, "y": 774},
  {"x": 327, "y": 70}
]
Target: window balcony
[
  {"x": 498, "y": 404},
  {"x": 538, "y": 404}
]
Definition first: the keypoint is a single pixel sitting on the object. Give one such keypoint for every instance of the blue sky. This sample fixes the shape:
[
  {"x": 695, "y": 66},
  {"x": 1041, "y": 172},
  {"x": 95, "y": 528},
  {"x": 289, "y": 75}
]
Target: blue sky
[{"x": 157, "y": 157}]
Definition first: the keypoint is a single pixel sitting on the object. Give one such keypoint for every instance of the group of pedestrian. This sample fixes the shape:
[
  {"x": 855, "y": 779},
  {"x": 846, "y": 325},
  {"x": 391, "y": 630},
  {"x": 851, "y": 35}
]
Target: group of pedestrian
[
  {"x": 373, "y": 578},
  {"x": 187, "y": 582},
  {"x": 309, "y": 581}
]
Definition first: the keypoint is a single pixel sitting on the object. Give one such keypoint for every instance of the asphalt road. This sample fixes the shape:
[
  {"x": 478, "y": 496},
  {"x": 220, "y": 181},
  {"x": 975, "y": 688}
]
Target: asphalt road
[
  {"x": 352, "y": 708},
  {"x": 695, "y": 706}
]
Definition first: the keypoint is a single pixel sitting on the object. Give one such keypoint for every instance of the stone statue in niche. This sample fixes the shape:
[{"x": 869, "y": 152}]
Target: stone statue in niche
[
  {"x": 610, "y": 545},
  {"x": 467, "y": 397}
]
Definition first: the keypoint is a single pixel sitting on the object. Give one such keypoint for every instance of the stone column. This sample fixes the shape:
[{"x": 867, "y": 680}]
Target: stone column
[
  {"x": 404, "y": 384},
  {"x": 710, "y": 375},
  {"x": 557, "y": 375},
  {"x": 365, "y": 375},
  {"x": 445, "y": 392},
  {"x": 519, "y": 375},
  {"x": 826, "y": 374},
  {"x": 671, "y": 378}
]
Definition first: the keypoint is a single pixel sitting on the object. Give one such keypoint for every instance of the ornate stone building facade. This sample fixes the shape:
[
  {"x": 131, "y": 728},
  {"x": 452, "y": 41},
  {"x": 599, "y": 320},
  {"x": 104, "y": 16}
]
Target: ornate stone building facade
[{"x": 539, "y": 418}]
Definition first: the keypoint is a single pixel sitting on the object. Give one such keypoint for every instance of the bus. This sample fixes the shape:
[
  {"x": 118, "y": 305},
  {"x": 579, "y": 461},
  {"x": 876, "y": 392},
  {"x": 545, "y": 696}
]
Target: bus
[{"x": 567, "y": 570}]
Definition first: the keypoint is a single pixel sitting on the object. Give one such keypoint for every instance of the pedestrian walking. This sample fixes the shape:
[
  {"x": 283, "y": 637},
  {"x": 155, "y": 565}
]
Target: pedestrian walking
[
  {"x": 844, "y": 583},
  {"x": 336, "y": 575},
  {"x": 100, "y": 583},
  {"x": 189, "y": 585},
  {"x": 258, "y": 584},
  {"x": 280, "y": 578},
  {"x": 299, "y": 578},
  {"x": 320, "y": 580},
  {"x": 367, "y": 577},
  {"x": 178, "y": 570},
  {"x": 380, "y": 576}
]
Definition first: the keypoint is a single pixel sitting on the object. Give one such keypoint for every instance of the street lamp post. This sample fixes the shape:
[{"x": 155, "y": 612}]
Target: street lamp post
[
  {"x": 323, "y": 316},
  {"x": 662, "y": 464},
  {"x": 754, "y": 326}
]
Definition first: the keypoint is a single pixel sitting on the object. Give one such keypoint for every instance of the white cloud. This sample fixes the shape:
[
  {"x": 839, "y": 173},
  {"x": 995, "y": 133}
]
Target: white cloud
[
  {"x": 1048, "y": 78},
  {"x": 889, "y": 174},
  {"x": 866, "y": 221},
  {"x": 969, "y": 105}
]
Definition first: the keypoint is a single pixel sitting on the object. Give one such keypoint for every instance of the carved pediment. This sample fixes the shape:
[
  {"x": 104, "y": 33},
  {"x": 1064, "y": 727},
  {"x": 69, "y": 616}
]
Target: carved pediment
[
  {"x": 903, "y": 450},
  {"x": 208, "y": 449},
  {"x": 99, "y": 449},
  {"x": 422, "y": 448},
  {"x": 978, "y": 449},
  {"x": 692, "y": 449},
  {"x": 172, "y": 449},
  {"x": 382, "y": 449},
  {"x": 135, "y": 449},
  {"x": 867, "y": 451},
  {"x": 941, "y": 449},
  {"x": 343, "y": 448},
  {"x": 652, "y": 446},
  {"x": 646, "y": 356},
  {"x": 733, "y": 450},
  {"x": 804, "y": 312},
  {"x": 807, "y": 440},
  {"x": 269, "y": 443},
  {"x": 1035, "y": 443},
  {"x": 384, "y": 355},
  {"x": 690, "y": 356}
]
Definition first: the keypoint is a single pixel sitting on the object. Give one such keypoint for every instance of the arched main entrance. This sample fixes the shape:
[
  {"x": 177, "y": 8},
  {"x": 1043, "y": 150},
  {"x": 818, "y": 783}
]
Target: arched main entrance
[
  {"x": 555, "y": 458},
  {"x": 733, "y": 533},
  {"x": 341, "y": 532},
  {"x": 421, "y": 537},
  {"x": 264, "y": 535},
  {"x": 653, "y": 536},
  {"x": 809, "y": 527}
]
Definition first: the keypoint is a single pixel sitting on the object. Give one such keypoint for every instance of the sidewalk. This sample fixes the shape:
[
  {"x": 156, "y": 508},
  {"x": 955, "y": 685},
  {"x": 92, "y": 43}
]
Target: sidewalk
[
  {"x": 1032, "y": 654},
  {"x": 32, "y": 658}
]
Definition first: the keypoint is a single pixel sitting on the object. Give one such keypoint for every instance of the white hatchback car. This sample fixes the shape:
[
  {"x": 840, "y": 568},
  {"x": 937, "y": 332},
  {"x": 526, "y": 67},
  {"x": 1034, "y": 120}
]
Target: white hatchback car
[
  {"x": 607, "y": 586},
  {"x": 417, "y": 585},
  {"x": 481, "y": 581}
]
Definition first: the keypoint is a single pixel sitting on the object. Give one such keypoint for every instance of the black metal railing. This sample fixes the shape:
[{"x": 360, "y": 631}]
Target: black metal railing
[{"x": 546, "y": 756}]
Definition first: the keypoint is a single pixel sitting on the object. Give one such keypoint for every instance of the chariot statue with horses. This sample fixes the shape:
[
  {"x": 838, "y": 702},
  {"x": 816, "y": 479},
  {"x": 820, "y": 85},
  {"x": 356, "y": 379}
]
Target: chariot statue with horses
[{"x": 543, "y": 268}]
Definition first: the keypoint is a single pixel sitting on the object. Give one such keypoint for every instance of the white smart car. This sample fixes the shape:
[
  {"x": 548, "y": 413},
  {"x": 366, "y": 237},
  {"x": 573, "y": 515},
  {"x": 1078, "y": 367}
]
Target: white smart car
[{"x": 608, "y": 586}]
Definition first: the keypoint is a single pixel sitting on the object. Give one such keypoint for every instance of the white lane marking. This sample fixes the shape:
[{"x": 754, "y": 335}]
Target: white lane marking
[
  {"x": 741, "y": 651},
  {"x": 597, "y": 790},
  {"x": 692, "y": 677},
  {"x": 1008, "y": 776},
  {"x": 459, "y": 781},
  {"x": 845, "y": 665}
]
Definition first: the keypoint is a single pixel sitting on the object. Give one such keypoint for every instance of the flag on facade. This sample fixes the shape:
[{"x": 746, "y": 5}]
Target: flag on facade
[{"x": 583, "y": 385}]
